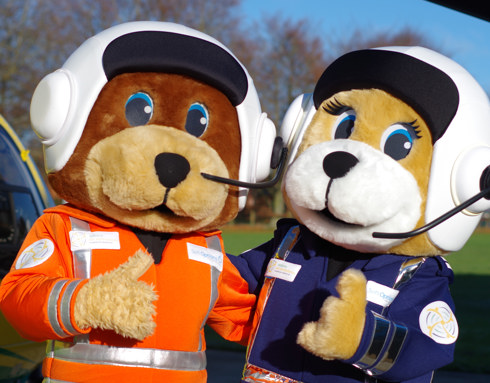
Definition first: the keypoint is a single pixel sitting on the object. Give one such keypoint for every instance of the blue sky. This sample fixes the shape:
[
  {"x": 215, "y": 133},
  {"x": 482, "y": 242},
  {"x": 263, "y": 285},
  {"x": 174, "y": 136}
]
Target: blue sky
[{"x": 466, "y": 38}]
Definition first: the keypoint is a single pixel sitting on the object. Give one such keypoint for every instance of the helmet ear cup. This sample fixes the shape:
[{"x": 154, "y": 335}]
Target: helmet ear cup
[
  {"x": 295, "y": 121},
  {"x": 265, "y": 147},
  {"x": 470, "y": 176},
  {"x": 50, "y": 105},
  {"x": 276, "y": 152},
  {"x": 485, "y": 181}
]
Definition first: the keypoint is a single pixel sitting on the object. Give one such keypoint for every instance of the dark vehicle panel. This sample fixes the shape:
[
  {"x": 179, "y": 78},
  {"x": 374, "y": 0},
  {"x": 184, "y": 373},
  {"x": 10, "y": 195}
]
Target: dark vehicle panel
[{"x": 23, "y": 197}]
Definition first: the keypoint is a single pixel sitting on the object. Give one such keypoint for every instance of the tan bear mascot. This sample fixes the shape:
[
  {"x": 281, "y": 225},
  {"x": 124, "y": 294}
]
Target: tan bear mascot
[
  {"x": 144, "y": 129},
  {"x": 355, "y": 289}
]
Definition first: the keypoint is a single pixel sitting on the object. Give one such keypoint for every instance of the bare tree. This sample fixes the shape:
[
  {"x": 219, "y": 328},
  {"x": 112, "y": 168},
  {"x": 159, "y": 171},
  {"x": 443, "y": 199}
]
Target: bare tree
[
  {"x": 13, "y": 68},
  {"x": 359, "y": 39},
  {"x": 290, "y": 59}
]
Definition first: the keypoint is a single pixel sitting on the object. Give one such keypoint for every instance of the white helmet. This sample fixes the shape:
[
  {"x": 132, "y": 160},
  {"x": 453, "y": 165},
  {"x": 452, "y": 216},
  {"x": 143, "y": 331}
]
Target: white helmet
[
  {"x": 461, "y": 155},
  {"x": 63, "y": 99}
]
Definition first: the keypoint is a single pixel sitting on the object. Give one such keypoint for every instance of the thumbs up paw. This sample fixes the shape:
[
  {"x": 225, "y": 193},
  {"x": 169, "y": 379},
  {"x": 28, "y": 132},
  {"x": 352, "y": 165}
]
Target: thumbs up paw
[
  {"x": 337, "y": 334},
  {"x": 117, "y": 301}
]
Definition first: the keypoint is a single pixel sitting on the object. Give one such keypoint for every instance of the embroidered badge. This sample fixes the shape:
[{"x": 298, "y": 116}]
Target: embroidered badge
[
  {"x": 35, "y": 254},
  {"x": 438, "y": 322}
]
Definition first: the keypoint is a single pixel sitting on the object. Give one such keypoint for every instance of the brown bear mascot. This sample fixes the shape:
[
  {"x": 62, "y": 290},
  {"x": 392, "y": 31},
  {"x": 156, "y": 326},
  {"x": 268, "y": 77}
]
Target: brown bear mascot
[
  {"x": 355, "y": 288},
  {"x": 147, "y": 128}
]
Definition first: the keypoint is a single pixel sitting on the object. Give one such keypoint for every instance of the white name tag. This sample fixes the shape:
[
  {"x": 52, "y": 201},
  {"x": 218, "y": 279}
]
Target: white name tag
[
  {"x": 90, "y": 240},
  {"x": 278, "y": 268},
  {"x": 380, "y": 294},
  {"x": 205, "y": 255}
]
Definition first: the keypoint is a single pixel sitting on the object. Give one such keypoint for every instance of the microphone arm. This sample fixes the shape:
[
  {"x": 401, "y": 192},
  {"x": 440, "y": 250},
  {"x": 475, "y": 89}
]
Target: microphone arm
[
  {"x": 251, "y": 185},
  {"x": 437, "y": 221}
]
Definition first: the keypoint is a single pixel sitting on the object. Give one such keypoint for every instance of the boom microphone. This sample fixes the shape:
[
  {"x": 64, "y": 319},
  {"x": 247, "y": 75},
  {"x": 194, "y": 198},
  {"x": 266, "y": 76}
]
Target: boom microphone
[
  {"x": 485, "y": 193},
  {"x": 251, "y": 185}
]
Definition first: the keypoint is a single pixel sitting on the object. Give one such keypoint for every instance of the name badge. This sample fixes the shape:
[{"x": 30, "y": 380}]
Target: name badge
[
  {"x": 90, "y": 240},
  {"x": 380, "y": 294},
  {"x": 205, "y": 255},
  {"x": 278, "y": 268}
]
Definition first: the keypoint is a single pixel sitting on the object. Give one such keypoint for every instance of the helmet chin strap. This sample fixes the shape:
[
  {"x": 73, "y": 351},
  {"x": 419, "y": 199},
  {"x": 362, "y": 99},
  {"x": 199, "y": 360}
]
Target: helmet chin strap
[
  {"x": 251, "y": 185},
  {"x": 485, "y": 193}
]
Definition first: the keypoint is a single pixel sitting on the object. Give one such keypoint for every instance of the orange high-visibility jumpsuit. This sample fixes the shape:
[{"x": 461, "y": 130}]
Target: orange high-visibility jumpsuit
[{"x": 37, "y": 297}]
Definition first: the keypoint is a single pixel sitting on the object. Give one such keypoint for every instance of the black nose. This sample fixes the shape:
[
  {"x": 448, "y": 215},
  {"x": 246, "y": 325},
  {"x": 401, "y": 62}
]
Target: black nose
[
  {"x": 338, "y": 164},
  {"x": 171, "y": 169}
]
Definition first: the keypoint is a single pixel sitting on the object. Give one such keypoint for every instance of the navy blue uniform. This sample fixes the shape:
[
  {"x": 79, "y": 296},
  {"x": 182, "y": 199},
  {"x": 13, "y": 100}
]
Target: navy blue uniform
[{"x": 404, "y": 340}]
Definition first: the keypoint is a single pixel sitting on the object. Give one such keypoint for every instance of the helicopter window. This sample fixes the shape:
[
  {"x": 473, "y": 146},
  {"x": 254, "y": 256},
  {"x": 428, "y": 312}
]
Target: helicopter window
[
  {"x": 18, "y": 209},
  {"x": 17, "y": 215},
  {"x": 12, "y": 170}
]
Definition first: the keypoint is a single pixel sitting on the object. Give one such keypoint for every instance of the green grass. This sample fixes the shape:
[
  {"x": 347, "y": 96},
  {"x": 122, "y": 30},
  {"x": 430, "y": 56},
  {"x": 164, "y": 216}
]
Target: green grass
[
  {"x": 236, "y": 242},
  {"x": 470, "y": 291},
  {"x": 471, "y": 294},
  {"x": 474, "y": 257}
]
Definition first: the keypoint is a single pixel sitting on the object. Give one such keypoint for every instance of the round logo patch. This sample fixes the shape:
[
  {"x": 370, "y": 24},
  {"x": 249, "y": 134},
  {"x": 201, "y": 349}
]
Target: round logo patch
[
  {"x": 35, "y": 254},
  {"x": 438, "y": 322}
]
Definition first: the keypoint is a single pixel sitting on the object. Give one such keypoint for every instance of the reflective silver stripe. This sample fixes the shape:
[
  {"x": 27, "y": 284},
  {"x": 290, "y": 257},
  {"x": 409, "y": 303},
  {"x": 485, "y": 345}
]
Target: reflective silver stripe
[
  {"x": 405, "y": 274},
  {"x": 380, "y": 333},
  {"x": 82, "y": 263},
  {"x": 133, "y": 357},
  {"x": 52, "y": 345},
  {"x": 392, "y": 352},
  {"x": 49, "y": 380},
  {"x": 53, "y": 308},
  {"x": 82, "y": 259},
  {"x": 84, "y": 338},
  {"x": 407, "y": 271},
  {"x": 50, "y": 348},
  {"x": 213, "y": 242},
  {"x": 65, "y": 306}
]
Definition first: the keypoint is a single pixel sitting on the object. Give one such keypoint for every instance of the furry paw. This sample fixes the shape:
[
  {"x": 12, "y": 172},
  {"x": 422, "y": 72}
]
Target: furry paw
[
  {"x": 118, "y": 301},
  {"x": 337, "y": 334}
]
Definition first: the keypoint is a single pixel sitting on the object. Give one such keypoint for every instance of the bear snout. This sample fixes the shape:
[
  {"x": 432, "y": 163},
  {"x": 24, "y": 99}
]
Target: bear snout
[
  {"x": 171, "y": 168},
  {"x": 337, "y": 164}
]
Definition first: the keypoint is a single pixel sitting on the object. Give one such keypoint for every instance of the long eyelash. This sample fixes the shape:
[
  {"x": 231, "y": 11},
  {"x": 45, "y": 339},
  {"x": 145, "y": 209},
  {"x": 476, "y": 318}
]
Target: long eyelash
[
  {"x": 336, "y": 108},
  {"x": 415, "y": 128}
]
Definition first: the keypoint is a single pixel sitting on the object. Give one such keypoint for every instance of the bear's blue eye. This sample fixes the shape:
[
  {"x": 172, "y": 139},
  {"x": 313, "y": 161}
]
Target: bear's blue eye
[
  {"x": 139, "y": 109},
  {"x": 344, "y": 125},
  {"x": 397, "y": 141},
  {"x": 197, "y": 120}
]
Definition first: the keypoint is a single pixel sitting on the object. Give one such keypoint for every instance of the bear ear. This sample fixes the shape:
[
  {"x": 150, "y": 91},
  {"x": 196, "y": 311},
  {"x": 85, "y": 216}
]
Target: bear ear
[
  {"x": 296, "y": 120},
  {"x": 50, "y": 105},
  {"x": 470, "y": 176}
]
